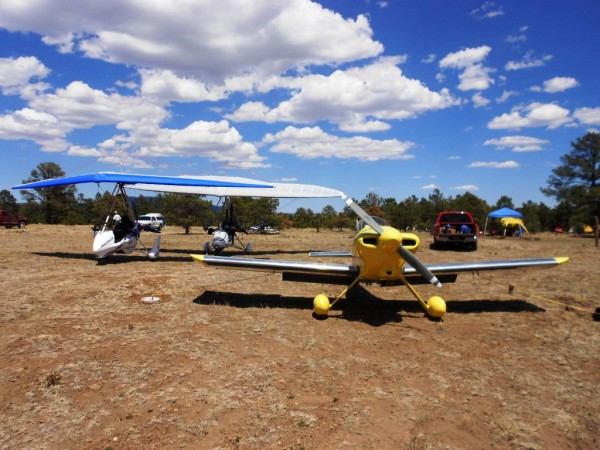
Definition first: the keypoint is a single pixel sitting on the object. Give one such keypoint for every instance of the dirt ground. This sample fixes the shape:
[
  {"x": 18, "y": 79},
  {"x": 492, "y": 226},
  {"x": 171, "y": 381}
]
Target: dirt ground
[{"x": 233, "y": 359}]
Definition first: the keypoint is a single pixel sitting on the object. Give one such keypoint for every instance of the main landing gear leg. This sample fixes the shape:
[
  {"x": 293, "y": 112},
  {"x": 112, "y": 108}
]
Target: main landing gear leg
[
  {"x": 321, "y": 305},
  {"x": 435, "y": 306}
]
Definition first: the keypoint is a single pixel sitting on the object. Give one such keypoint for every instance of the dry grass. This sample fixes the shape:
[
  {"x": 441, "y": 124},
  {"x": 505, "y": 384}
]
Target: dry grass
[{"x": 232, "y": 359}]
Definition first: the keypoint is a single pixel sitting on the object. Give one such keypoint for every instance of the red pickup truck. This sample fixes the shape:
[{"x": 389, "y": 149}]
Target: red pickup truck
[
  {"x": 10, "y": 220},
  {"x": 457, "y": 228}
]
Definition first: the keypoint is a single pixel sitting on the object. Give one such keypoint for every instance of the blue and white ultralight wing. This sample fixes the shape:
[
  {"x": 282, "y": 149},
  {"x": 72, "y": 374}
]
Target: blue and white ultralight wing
[
  {"x": 147, "y": 180},
  {"x": 245, "y": 189}
]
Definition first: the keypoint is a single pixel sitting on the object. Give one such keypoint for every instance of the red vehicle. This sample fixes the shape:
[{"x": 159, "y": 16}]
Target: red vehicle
[
  {"x": 457, "y": 228},
  {"x": 10, "y": 220}
]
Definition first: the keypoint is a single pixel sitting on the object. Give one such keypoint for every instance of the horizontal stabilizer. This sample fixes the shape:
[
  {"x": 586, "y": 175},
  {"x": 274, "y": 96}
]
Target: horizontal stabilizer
[{"x": 332, "y": 253}]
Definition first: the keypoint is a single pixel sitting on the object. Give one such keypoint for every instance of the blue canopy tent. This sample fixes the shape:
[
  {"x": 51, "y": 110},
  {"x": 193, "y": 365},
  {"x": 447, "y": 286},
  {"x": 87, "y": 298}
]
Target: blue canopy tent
[{"x": 505, "y": 211}]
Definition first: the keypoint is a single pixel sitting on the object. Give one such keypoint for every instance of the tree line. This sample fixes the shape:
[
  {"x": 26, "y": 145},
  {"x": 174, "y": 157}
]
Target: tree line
[{"x": 574, "y": 185}]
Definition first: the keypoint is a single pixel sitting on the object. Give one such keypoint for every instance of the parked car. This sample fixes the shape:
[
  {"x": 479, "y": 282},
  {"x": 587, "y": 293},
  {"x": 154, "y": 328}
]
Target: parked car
[
  {"x": 10, "y": 220},
  {"x": 153, "y": 220},
  {"x": 261, "y": 228},
  {"x": 457, "y": 228}
]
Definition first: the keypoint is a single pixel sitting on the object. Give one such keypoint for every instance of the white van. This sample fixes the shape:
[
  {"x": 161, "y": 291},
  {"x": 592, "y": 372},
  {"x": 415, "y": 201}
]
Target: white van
[{"x": 154, "y": 220}]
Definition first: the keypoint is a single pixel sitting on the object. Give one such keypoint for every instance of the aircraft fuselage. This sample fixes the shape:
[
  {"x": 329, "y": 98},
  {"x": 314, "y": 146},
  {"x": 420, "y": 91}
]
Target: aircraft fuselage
[
  {"x": 377, "y": 255},
  {"x": 105, "y": 245}
]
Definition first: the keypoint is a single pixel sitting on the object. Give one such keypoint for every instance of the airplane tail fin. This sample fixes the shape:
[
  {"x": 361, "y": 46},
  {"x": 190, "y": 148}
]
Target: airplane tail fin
[{"x": 153, "y": 254}]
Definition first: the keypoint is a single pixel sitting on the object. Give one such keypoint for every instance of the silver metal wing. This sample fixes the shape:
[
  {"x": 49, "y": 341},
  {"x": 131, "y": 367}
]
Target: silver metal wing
[{"x": 345, "y": 273}]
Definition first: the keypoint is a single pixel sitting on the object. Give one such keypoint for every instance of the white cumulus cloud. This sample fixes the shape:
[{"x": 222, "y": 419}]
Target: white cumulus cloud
[
  {"x": 559, "y": 84},
  {"x": 358, "y": 99},
  {"x": 17, "y": 73},
  {"x": 474, "y": 75},
  {"x": 465, "y": 58},
  {"x": 165, "y": 85},
  {"x": 528, "y": 61},
  {"x": 313, "y": 142},
  {"x": 215, "y": 141},
  {"x": 40, "y": 127},
  {"x": 235, "y": 35},
  {"x": 487, "y": 10},
  {"x": 518, "y": 143},
  {"x": 495, "y": 165},
  {"x": 534, "y": 115},
  {"x": 588, "y": 116},
  {"x": 465, "y": 187},
  {"x": 479, "y": 100}
]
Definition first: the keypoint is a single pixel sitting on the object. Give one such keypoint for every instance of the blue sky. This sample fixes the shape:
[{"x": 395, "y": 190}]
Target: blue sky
[{"x": 392, "y": 97}]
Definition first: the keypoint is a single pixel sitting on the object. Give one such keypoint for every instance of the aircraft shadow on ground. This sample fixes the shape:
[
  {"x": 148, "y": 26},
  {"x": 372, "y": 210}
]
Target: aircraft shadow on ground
[
  {"x": 65, "y": 255},
  {"x": 450, "y": 248},
  {"x": 118, "y": 258},
  {"x": 363, "y": 306},
  {"x": 235, "y": 252}
]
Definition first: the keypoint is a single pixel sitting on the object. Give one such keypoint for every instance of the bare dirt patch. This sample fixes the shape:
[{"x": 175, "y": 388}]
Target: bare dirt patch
[{"x": 232, "y": 359}]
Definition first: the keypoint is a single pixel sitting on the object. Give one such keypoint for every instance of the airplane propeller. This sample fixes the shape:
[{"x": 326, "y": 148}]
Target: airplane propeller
[{"x": 406, "y": 254}]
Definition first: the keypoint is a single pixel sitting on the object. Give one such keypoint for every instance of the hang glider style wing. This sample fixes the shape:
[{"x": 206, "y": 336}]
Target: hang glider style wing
[
  {"x": 277, "y": 190},
  {"x": 148, "y": 180},
  {"x": 342, "y": 273}
]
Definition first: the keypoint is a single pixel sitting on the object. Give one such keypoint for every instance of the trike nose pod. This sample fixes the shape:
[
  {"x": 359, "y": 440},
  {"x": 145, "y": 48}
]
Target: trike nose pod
[{"x": 104, "y": 244}]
